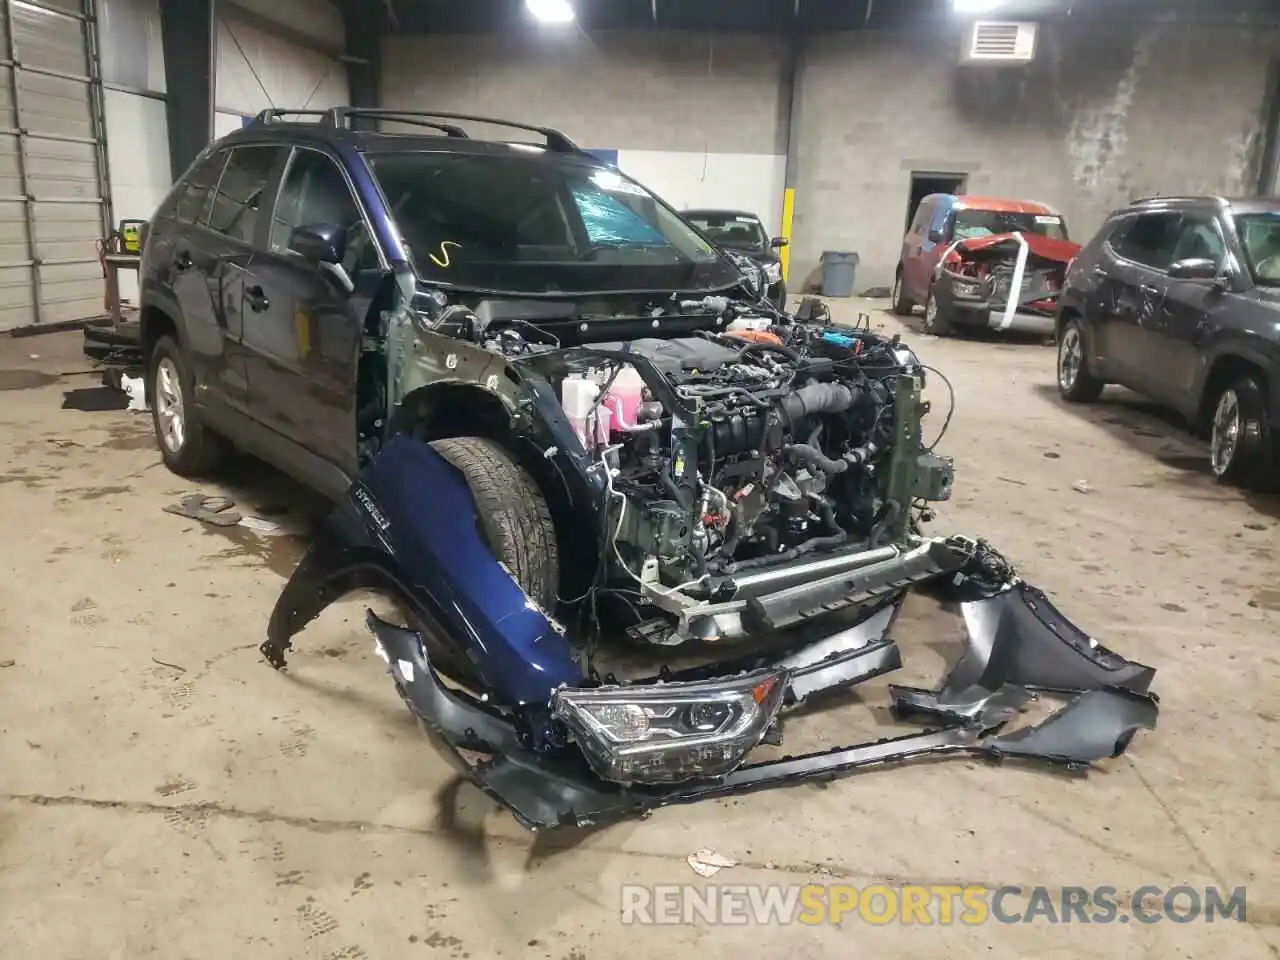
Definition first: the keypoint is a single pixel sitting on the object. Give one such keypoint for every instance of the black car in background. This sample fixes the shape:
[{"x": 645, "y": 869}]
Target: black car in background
[
  {"x": 1178, "y": 298},
  {"x": 744, "y": 233}
]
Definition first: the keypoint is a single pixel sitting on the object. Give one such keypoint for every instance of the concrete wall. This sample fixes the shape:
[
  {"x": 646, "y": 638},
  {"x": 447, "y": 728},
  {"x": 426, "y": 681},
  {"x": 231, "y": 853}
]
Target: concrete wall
[
  {"x": 1109, "y": 111},
  {"x": 1103, "y": 115}
]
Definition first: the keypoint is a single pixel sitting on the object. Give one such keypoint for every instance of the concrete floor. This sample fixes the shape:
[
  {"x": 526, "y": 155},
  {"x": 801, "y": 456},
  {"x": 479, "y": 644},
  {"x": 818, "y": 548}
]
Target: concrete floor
[{"x": 164, "y": 793}]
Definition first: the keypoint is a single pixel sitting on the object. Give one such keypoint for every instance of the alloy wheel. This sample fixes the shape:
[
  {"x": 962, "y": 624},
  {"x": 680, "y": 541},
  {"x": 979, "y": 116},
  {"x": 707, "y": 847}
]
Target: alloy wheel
[
  {"x": 169, "y": 408},
  {"x": 1070, "y": 358},
  {"x": 1225, "y": 441}
]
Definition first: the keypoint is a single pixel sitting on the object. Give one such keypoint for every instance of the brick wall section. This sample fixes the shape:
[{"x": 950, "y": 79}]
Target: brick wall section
[
  {"x": 655, "y": 90},
  {"x": 1102, "y": 116}
]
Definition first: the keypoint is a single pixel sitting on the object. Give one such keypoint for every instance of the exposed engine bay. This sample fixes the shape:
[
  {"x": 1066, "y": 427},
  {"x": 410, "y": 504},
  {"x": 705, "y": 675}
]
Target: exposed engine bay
[
  {"x": 745, "y": 450},
  {"x": 740, "y": 475}
]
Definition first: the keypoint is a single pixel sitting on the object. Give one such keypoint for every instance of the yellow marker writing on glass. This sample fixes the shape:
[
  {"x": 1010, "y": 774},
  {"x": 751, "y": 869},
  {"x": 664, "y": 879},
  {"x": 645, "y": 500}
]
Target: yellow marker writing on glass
[{"x": 444, "y": 253}]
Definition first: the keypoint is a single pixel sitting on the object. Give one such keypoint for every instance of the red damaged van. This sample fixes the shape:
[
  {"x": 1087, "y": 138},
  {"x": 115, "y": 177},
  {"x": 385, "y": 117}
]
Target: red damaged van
[{"x": 962, "y": 256}]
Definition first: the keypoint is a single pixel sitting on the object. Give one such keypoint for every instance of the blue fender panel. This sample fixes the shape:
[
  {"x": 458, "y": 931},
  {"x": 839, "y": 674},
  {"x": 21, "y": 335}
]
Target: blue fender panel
[{"x": 411, "y": 520}]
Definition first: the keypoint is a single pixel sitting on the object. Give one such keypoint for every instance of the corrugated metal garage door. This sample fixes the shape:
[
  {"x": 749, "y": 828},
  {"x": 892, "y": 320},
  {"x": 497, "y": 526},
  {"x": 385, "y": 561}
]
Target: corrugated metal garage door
[{"x": 52, "y": 185}]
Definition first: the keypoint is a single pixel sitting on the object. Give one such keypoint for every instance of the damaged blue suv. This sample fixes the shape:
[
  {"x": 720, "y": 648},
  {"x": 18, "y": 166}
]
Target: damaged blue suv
[{"x": 579, "y": 448}]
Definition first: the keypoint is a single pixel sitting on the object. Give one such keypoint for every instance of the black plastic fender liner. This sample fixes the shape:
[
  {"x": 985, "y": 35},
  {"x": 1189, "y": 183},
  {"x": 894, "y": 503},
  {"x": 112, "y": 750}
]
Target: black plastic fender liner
[
  {"x": 1096, "y": 725},
  {"x": 462, "y": 724},
  {"x": 1019, "y": 637}
]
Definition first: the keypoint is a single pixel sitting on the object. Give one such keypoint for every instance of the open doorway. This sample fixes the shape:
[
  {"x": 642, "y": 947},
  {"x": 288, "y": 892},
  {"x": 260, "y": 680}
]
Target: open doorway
[{"x": 923, "y": 184}]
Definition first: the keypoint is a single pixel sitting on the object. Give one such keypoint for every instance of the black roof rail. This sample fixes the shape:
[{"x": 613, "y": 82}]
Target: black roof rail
[
  {"x": 1176, "y": 198},
  {"x": 339, "y": 117},
  {"x": 556, "y": 140},
  {"x": 277, "y": 115}
]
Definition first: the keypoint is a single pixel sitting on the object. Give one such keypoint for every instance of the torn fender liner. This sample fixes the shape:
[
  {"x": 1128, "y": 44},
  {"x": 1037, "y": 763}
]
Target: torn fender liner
[
  {"x": 390, "y": 533},
  {"x": 1019, "y": 637},
  {"x": 1094, "y": 726}
]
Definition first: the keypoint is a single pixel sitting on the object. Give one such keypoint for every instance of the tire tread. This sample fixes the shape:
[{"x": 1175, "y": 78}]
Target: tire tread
[{"x": 513, "y": 513}]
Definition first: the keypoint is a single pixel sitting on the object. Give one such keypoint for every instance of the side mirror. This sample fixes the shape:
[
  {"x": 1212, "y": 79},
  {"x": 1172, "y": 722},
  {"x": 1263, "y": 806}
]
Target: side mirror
[
  {"x": 319, "y": 242},
  {"x": 937, "y": 236},
  {"x": 324, "y": 244},
  {"x": 1194, "y": 268},
  {"x": 778, "y": 242}
]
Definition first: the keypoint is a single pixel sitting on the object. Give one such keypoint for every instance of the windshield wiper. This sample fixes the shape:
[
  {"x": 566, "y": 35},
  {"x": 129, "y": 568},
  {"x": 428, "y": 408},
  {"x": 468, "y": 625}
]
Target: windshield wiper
[{"x": 602, "y": 247}]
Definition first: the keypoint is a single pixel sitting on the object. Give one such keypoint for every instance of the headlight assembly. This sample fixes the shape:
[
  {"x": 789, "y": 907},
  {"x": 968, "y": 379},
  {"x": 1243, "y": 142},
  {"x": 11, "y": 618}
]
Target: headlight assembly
[
  {"x": 967, "y": 289},
  {"x": 671, "y": 731},
  {"x": 772, "y": 272}
]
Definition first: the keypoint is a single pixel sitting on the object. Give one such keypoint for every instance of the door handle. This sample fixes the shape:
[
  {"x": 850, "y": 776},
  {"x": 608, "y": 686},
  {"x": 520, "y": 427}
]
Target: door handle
[
  {"x": 182, "y": 260},
  {"x": 257, "y": 298}
]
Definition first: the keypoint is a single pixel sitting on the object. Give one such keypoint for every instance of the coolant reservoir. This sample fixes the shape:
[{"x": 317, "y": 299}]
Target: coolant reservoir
[
  {"x": 624, "y": 397},
  {"x": 579, "y": 396}
]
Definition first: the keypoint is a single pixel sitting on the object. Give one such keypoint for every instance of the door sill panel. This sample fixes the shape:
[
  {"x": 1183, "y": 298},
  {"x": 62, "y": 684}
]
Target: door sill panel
[{"x": 280, "y": 452}]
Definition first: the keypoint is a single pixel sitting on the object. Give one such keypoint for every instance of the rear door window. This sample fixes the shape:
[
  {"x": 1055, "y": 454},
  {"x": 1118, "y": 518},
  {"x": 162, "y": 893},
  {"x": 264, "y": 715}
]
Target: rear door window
[
  {"x": 191, "y": 200},
  {"x": 1150, "y": 239},
  {"x": 233, "y": 210}
]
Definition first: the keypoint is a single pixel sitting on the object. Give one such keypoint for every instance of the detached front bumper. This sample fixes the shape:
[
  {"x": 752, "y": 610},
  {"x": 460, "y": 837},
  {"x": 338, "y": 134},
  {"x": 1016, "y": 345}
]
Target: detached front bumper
[{"x": 1018, "y": 645}]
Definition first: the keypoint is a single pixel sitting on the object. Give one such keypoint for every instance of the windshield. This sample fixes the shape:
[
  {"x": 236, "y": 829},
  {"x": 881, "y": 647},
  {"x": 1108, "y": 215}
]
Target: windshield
[
  {"x": 535, "y": 225},
  {"x": 738, "y": 231},
  {"x": 1260, "y": 237},
  {"x": 984, "y": 223}
]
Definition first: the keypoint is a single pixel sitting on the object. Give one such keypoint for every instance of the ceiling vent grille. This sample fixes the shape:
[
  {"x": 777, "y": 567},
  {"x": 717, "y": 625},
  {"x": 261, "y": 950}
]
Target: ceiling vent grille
[{"x": 999, "y": 42}]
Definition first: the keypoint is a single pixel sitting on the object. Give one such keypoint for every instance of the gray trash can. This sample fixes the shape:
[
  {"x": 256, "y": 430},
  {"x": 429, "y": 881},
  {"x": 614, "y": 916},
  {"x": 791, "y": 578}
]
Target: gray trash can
[{"x": 838, "y": 270}]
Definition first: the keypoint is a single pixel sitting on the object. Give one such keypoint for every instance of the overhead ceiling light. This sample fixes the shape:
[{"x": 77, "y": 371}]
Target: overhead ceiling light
[
  {"x": 976, "y": 6},
  {"x": 550, "y": 11}
]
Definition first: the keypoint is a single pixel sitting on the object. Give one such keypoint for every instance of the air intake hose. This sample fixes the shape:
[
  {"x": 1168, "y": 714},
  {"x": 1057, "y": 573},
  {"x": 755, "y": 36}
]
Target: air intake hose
[{"x": 814, "y": 398}]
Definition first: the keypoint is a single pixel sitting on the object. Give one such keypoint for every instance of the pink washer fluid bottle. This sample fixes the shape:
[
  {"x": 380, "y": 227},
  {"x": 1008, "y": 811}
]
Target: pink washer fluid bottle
[{"x": 624, "y": 397}]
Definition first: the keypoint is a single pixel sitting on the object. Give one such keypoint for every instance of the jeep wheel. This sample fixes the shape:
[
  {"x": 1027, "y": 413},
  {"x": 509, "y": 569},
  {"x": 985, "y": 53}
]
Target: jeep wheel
[
  {"x": 1241, "y": 443},
  {"x": 1075, "y": 381},
  {"x": 189, "y": 448},
  {"x": 901, "y": 305},
  {"x": 514, "y": 518}
]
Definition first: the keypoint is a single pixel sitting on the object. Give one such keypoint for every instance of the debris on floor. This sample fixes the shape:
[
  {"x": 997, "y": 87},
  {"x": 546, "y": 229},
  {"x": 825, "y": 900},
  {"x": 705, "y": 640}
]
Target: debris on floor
[
  {"x": 135, "y": 388},
  {"x": 215, "y": 511},
  {"x": 1081, "y": 486},
  {"x": 266, "y": 528},
  {"x": 707, "y": 863}
]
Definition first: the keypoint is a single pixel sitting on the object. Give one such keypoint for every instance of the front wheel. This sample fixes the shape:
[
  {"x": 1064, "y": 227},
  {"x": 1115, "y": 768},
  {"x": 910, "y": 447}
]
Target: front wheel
[
  {"x": 1241, "y": 443},
  {"x": 937, "y": 319},
  {"x": 515, "y": 521},
  {"x": 1076, "y": 382},
  {"x": 901, "y": 305}
]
